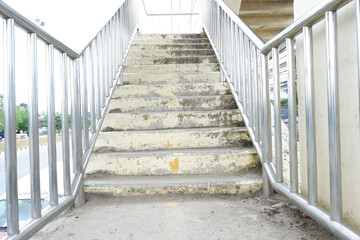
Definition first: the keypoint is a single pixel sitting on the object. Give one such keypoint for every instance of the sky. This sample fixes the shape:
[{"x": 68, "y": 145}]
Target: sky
[{"x": 75, "y": 26}]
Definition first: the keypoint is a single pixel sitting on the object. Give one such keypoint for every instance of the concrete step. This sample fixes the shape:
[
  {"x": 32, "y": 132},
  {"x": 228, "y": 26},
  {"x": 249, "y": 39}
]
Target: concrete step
[
  {"x": 171, "y": 60},
  {"x": 151, "y": 140},
  {"x": 266, "y": 12},
  {"x": 186, "y": 161},
  {"x": 158, "y": 104},
  {"x": 170, "y": 53},
  {"x": 174, "y": 46},
  {"x": 162, "y": 68},
  {"x": 172, "y": 90},
  {"x": 167, "y": 41},
  {"x": 170, "y": 78},
  {"x": 265, "y": 5},
  {"x": 234, "y": 184},
  {"x": 169, "y": 120},
  {"x": 168, "y": 36}
]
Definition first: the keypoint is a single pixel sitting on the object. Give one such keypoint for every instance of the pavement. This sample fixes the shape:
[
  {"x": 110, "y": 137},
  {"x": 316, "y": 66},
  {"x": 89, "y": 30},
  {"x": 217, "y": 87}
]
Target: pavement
[{"x": 184, "y": 217}]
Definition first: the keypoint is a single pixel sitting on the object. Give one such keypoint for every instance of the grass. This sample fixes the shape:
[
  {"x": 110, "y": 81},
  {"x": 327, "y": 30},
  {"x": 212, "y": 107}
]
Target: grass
[{"x": 24, "y": 143}]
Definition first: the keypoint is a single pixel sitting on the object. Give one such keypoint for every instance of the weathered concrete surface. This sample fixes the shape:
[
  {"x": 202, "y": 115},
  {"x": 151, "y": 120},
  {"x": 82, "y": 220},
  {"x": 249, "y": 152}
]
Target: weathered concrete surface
[
  {"x": 172, "y": 90},
  {"x": 169, "y": 78},
  {"x": 172, "y": 60},
  {"x": 184, "y": 103},
  {"x": 209, "y": 67},
  {"x": 229, "y": 184},
  {"x": 172, "y": 139},
  {"x": 169, "y": 53},
  {"x": 184, "y": 217},
  {"x": 190, "y": 161},
  {"x": 170, "y": 46},
  {"x": 167, "y": 41},
  {"x": 169, "y": 36},
  {"x": 169, "y": 120}
]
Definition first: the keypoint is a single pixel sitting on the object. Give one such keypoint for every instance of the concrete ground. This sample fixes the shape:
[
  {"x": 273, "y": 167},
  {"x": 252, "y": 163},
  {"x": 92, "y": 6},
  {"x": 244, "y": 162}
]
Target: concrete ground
[{"x": 184, "y": 217}]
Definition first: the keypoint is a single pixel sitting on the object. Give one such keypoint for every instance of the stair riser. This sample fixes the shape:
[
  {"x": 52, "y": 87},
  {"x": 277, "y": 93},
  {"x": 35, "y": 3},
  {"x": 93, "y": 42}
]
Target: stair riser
[
  {"x": 170, "y": 46},
  {"x": 167, "y": 120},
  {"x": 171, "y": 139},
  {"x": 177, "y": 163},
  {"x": 177, "y": 90},
  {"x": 171, "y": 104},
  {"x": 168, "y": 36},
  {"x": 211, "y": 67},
  {"x": 169, "y": 53},
  {"x": 170, "y": 78},
  {"x": 233, "y": 189},
  {"x": 170, "y": 41},
  {"x": 172, "y": 60}
]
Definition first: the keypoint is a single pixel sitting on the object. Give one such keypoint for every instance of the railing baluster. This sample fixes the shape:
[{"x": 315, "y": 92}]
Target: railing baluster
[
  {"x": 251, "y": 82},
  {"x": 51, "y": 129},
  {"x": 12, "y": 207},
  {"x": 92, "y": 88},
  {"x": 99, "y": 95},
  {"x": 292, "y": 116},
  {"x": 76, "y": 129},
  {"x": 267, "y": 148},
  {"x": 277, "y": 115},
  {"x": 333, "y": 108},
  {"x": 256, "y": 96},
  {"x": 65, "y": 125},
  {"x": 84, "y": 103},
  {"x": 242, "y": 68},
  {"x": 34, "y": 127},
  {"x": 310, "y": 116}
]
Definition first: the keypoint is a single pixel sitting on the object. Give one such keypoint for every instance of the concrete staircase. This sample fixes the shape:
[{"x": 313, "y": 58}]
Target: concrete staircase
[
  {"x": 267, "y": 17},
  {"x": 172, "y": 127}
]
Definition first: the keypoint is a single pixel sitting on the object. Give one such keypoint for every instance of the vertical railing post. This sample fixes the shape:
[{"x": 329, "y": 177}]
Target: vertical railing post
[
  {"x": 12, "y": 207},
  {"x": 267, "y": 190},
  {"x": 65, "y": 125},
  {"x": 84, "y": 103},
  {"x": 333, "y": 109},
  {"x": 76, "y": 131},
  {"x": 51, "y": 128},
  {"x": 34, "y": 127},
  {"x": 310, "y": 115},
  {"x": 277, "y": 115},
  {"x": 292, "y": 116},
  {"x": 92, "y": 89}
]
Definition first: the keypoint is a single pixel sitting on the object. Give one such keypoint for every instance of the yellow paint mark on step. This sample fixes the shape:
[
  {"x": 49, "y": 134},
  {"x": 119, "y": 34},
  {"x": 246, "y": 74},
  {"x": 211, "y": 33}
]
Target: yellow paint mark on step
[
  {"x": 169, "y": 145},
  {"x": 172, "y": 103},
  {"x": 175, "y": 164},
  {"x": 172, "y": 204}
]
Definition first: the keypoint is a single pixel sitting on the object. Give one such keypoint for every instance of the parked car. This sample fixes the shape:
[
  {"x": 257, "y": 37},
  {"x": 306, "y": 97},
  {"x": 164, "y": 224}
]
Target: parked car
[{"x": 2, "y": 136}]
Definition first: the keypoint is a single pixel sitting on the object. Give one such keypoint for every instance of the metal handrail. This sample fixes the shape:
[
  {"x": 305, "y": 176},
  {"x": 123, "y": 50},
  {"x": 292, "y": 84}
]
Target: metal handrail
[
  {"x": 8, "y": 12},
  {"x": 95, "y": 72},
  {"x": 244, "y": 63}
]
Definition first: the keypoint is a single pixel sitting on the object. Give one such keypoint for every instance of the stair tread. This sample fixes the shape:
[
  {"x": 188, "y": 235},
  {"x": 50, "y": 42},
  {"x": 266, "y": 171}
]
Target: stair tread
[
  {"x": 109, "y": 180},
  {"x": 183, "y": 152},
  {"x": 283, "y": 11}
]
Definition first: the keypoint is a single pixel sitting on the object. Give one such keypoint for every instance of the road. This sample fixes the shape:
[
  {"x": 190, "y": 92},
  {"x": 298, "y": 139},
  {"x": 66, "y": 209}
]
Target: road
[{"x": 24, "y": 163}]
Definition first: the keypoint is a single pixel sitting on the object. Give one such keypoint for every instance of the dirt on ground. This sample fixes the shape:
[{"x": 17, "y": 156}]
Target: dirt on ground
[{"x": 185, "y": 217}]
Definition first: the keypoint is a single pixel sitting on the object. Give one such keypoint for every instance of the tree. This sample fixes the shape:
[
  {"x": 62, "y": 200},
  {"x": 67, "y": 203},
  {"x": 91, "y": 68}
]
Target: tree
[
  {"x": 22, "y": 117},
  {"x": 58, "y": 122}
]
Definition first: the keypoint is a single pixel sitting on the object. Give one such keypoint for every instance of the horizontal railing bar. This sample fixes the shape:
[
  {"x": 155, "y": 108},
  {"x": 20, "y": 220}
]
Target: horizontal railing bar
[
  {"x": 314, "y": 15},
  {"x": 9, "y": 12}
]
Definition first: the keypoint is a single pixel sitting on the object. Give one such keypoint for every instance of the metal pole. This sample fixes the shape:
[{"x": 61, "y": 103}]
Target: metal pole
[
  {"x": 93, "y": 97},
  {"x": 266, "y": 122},
  {"x": 65, "y": 125},
  {"x": 99, "y": 92},
  {"x": 277, "y": 117},
  {"x": 256, "y": 97},
  {"x": 84, "y": 103},
  {"x": 12, "y": 209},
  {"x": 292, "y": 116},
  {"x": 333, "y": 108},
  {"x": 34, "y": 127},
  {"x": 310, "y": 115},
  {"x": 51, "y": 125},
  {"x": 76, "y": 131}
]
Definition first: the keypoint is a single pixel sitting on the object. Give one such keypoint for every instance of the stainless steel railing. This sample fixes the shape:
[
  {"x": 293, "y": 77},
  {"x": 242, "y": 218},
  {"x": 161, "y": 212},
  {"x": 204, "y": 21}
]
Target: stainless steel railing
[
  {"x": 244, "y": 60},
  {"x": 89, "y": 78}
]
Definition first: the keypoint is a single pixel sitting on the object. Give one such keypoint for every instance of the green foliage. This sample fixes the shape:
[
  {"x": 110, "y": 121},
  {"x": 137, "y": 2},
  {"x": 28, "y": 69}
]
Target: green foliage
[
  {"x": 284, "y": 102},
  {"x": 22, "y": 117}
]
